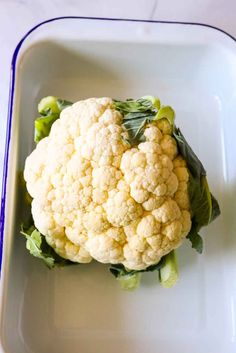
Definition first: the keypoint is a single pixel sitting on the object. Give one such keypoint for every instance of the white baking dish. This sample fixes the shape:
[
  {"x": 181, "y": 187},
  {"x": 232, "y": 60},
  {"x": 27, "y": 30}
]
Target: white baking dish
[{"x": 82, "y": 309}]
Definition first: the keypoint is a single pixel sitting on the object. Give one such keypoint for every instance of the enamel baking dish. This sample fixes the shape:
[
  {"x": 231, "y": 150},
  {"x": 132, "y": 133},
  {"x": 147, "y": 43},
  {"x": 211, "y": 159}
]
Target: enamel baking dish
[{"x": 81, "y": 309}]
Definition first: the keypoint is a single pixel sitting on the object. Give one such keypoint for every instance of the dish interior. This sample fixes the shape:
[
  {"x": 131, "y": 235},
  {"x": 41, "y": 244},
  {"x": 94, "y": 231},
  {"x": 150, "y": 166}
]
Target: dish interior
[{"x": 81, "y": 308}]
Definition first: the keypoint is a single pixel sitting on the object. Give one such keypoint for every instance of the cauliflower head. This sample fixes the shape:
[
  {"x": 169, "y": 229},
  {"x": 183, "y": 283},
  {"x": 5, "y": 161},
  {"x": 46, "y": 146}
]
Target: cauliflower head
[{"x": 97, "y": 197}]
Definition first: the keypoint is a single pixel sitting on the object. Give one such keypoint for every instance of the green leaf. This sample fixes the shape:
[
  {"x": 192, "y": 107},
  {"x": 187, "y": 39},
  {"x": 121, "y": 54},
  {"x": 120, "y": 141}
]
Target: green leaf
[
  {"x": 200, "y": 200},
  {"x": 136, "y": 116},
  {"x": 27, "y": 199},
  {"x": 194, "y": 164},
  {"x": 38, "y": 247},
  {"x": 168, "y": 273},
  {"x": 62, "y": 104},
  {"x": 49, "y": 108},
  {"x": 133, "y": 106},
  {"x": 138, "y": 113},
  {"x": 204, "y": 207},
  {"x": 155, "y": 101},
  {"x": 215, "y": 208},
  {"x": 42, "y": 126},
  {"x": 34, "y": 243},
  {"x": 196, "y": 240},
  {"x": 120, "y": 270},
  {"x": 135, "y": 128}
]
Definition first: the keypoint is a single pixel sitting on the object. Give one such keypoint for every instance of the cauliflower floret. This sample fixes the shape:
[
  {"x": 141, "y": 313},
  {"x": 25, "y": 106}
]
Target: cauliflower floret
[
  {"x": 111, "y": 117},
  {"x": 99, "y": 196},
  {"x": 105, "y": 178},
  {"x": 173, "y": 230},
  {"x": 182, "y": 173},
  {"x": 96, "y": 221},
  {"x": 148, "y": 226},
  {"x": 152, "y": 203},
  {"x": 88, "y": 112},
  {"x": 152, "y": 178},
  {"x": 107, "y": 247},
  {"x": 169, "y": 147},
  {"x": 95, "y": 196},
  {"x": 169, "y": 211},
  {"x": 182, "y": 199},
  {"x": 186, "y": 222},
  {"x": 102, "y": 144},
  {"x": 121, "y": 209},
  {"x": 152, "y": 133},
  {"x": 150, "y": 147},
  {"x": 76, "y": 231},
  {"x": 67, "y": 249},
  {"x": 179, "y": 162},
  {"x": 164, "y": 126},
  {"x": 56, "y": 238},
  {"x": 140, "y": 251}
]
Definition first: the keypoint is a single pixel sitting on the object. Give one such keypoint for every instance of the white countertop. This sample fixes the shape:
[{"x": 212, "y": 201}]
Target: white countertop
[{"x": 18, "y": 16}]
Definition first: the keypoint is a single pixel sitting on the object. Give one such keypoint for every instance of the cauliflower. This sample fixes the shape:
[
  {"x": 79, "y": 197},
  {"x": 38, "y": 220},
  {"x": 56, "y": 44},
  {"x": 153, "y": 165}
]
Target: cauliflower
[{"x": 96, "y": 196}]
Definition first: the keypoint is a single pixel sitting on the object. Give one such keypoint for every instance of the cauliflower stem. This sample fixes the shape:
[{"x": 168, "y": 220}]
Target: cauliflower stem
[
  {"x": 168, "y": 273},
  {"x": 115, "y": 181},
  {"x": 130, "y": 282},
  {"x": 130, "y": 279}
]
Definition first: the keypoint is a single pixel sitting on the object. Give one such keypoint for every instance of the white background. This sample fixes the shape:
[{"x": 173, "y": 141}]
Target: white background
[{"x": 18, "y": 16}]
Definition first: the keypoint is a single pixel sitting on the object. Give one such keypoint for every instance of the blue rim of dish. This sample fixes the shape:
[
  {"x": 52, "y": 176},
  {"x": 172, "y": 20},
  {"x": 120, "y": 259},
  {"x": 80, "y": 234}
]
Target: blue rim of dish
[{"x": 12, "y": 87}]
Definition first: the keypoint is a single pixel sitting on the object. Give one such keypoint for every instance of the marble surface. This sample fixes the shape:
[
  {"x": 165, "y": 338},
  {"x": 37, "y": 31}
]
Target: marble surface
[{"x": 18, "y": 16}]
